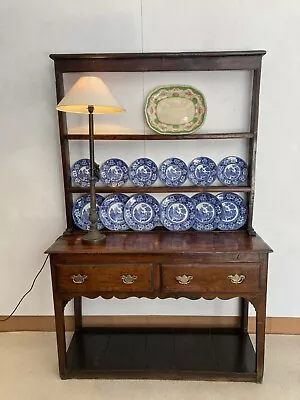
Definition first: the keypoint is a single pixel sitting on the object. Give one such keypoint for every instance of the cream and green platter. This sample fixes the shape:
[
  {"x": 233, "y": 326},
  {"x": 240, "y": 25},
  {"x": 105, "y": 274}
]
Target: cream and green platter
[{"x": 175, "y": 109}]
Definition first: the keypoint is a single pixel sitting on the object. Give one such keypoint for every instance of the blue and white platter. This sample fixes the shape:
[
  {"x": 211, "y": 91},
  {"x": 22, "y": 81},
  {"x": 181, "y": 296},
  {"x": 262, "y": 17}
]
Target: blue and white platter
[
  {"x": 208, "y": 212},
  {"x": 143, "y": 172},
  {"x": 232, "y": 171},
  {"x": 173, "y": 172},
  {"x": 81, "y": 212},
  {"x": 202, "y": 171},
  {"x": 112, "y": 212},
  {"x": 80, "y": 172},
  {"x": 141, "y": 212},
  {"x": 177, "y": 212},
  {"x": 114, "y": 172},
  {"x": 235, "y": 211}
]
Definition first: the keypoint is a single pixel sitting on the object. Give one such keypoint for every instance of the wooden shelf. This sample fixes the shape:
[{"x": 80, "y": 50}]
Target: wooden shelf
[
  {"x": 163, "y": 189},
  {"x": 133, "y": 136},
  {"x": 161, "y": 353}
]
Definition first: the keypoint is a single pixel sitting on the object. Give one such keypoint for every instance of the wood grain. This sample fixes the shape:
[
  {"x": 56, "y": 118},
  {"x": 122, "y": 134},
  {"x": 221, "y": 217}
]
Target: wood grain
[{"x": 211, "y": 278}]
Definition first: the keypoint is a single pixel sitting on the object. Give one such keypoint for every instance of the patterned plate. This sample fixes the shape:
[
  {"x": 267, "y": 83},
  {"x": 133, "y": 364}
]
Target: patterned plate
[
  {"x": 114, "y": 172},
  {"x": 208, "y": 212},
  {"x": 202, "y": 171},
  {"x": 173, "y": 172},
  {"x": 81, "y": 211},
  {"x": 232, "y": 171},
  {"x": 80, "y": 172},
  {"x": 141, "y": 212},
  {"x": 112, "y": 212},
  {"x": 235, "y": 211},
  {"x": 175, "y": 109},
  {"x": 177, "y": 212},
  {"x": 143, "y": 172}
]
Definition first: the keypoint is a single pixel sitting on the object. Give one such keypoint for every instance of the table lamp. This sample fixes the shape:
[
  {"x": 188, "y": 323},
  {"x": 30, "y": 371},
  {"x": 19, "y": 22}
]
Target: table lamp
[{"x": 90, "y": 95}]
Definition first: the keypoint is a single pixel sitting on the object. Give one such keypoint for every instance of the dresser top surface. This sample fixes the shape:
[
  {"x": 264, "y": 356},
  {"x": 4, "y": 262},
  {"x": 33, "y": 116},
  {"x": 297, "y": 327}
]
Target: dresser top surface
[{"x": 162, "y": 242}]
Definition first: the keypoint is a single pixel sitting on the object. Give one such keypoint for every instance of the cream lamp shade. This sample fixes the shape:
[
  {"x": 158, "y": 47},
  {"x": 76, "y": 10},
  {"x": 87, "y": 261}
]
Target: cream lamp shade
[{"x": 89, "y": 91}]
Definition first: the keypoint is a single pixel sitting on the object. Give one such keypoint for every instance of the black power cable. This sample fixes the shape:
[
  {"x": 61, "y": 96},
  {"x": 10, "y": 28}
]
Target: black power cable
[{"x": 25, "y": 294}]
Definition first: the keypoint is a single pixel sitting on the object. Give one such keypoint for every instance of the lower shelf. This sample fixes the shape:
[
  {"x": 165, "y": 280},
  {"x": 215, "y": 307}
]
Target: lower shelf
[{"x": 219, "y": 354}]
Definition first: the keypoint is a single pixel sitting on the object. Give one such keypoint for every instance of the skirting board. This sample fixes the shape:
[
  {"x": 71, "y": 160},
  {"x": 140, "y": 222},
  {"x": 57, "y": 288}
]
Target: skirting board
[{"x": 278, "y": 325}]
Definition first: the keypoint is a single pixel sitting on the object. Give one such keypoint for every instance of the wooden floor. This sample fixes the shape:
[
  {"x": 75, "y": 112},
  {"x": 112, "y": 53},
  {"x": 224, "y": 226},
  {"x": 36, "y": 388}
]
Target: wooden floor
[{"x": 161, "y": 353}]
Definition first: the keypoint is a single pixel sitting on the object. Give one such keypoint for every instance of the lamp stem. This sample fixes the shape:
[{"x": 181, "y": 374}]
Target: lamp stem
[{"x": 93, "y": 236}]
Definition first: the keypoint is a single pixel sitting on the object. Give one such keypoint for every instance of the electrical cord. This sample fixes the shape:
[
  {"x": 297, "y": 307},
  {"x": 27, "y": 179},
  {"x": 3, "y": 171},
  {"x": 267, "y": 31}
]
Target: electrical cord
[{"x": 25, "y": 294}]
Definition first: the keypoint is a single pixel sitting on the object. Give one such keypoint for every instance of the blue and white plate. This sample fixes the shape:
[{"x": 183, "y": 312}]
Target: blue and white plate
[
  {"x": 235, "y": 211},
  {"x": 232, "y": 171},
  {"x": 143, "y": 172},
  {"x": 141, "y": 212},
  {"x": 173, "y": 172},
  {"x": 81, "y": 212},
  {"x": 114, "y": 172},
  {"x": 202, "y": 171},
  {"x": 177, "y": 212},
  {"x": 208, "y": 211},
  {"x": 112, "y": 212},
  {"x": 80, "y": 172}
]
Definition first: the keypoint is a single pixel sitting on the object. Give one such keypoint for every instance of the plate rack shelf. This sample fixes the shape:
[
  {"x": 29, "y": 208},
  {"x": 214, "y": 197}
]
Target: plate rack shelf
[{"x": 146, "y": 62}]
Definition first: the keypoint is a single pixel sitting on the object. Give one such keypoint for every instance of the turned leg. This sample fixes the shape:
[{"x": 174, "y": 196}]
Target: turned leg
[
  {"x": 244, "y": 307},
  {"x": 60, "y": 334},
  {"x": 260, "y": 337},
  {"x": 78, "y": 313}
]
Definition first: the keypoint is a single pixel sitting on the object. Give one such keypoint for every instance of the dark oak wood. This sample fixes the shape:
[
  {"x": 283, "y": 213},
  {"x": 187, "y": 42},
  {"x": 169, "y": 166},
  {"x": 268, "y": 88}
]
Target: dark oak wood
[
  {"x": 137, "y": 56},
  {"x": 155, "y": 354},
  {"x": 157, "y": 258},
  {"x": 65, "y": 152},
  {"x": 107, "y": 277},
  {"x": 253, "y": 144},
  {"x": 78, "y": 312},
  {"x": 210, "y": 278},
  {"x": 136, "y": 136},
  {"x": 244, "y": 311},
  {"x": 162, "y": 189},
  {"x": 229, "y": 246},
  {"x": 144, "y": 62}
]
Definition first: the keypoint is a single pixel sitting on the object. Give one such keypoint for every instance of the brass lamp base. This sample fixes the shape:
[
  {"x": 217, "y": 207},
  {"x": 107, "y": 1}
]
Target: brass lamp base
[{"x": 94, "y": 237}]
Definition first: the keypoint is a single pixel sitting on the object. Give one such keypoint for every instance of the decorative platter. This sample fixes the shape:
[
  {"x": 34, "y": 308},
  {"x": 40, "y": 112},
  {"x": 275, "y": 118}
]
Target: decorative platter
[
  {"x": 208, "y": 212},
  {"x": 81, "y": 212},
  {"x": 173, "y": 172},
  {"x": 141, "y": 212},
  {"x": 80, "y": 172},
  {"x": 177, "y": 212},
  {"x": 232, "y": 171},
  {"x": 114, "y": 172},
  {"x": 143, "y": 172},
  {"x": 235, "y": 211},
  {"x": 202, "y": 171},
  {"x": 112, "y": 212},
  {"x": 175, "y": 109}
]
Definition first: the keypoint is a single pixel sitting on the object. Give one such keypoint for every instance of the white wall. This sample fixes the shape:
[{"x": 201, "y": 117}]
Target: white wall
[{"x": 31, "y": 207}]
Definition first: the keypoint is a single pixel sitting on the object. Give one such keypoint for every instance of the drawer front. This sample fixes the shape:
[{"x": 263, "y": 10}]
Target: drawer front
[
  {"x": 105, "y": 278},
  {"x": 233, "y": 277}
]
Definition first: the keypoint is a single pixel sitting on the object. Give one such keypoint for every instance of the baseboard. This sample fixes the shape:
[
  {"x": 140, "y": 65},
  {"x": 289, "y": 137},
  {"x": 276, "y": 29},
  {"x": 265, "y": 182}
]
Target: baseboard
[{"x": 278, "y": 325}]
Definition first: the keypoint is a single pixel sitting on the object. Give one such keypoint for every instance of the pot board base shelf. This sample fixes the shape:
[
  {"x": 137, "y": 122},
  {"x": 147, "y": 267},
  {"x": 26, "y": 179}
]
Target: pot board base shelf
[{"x": 225, "y": 354}]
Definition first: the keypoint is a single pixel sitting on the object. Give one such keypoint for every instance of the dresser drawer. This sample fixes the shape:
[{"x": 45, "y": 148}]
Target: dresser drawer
[
  {"x": 233, "y": 277},
  {"x": 105, "y": 278}
]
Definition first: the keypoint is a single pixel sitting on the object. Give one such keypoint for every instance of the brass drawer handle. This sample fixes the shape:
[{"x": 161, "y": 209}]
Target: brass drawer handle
[
  {"x": 128, "y": 279},
  {"x": 236, "y": 279},
  {"x": 78, "y": 278},
  {"x": 184, "y": 280}
]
